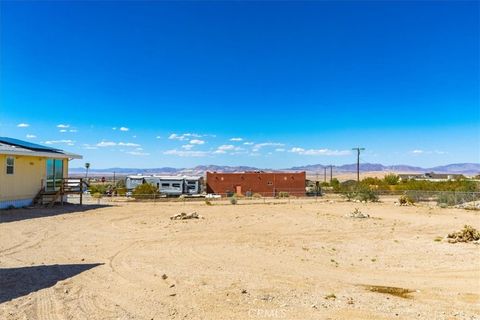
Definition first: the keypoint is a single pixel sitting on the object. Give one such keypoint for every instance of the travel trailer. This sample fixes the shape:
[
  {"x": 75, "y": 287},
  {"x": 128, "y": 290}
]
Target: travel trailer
[{"x": 168, "y": 185}]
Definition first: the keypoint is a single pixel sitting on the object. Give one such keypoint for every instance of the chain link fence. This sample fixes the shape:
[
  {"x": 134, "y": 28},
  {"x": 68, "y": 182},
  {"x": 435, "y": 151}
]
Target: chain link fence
[{"x": 467, "y": 200}]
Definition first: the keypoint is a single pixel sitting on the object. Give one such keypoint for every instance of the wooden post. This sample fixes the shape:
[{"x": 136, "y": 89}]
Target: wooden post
[{"x": 81, "y": 191}]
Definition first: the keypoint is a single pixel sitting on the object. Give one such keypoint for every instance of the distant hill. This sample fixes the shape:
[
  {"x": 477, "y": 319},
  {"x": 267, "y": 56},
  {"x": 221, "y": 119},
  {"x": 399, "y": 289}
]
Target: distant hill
[{"x": 463, "y": 168}]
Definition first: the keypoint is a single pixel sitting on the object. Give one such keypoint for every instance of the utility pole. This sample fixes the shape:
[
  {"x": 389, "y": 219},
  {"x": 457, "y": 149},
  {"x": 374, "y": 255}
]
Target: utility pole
[
  {"x": 358, "y": 162},
  {"x": 325, "y": 174},
  {"x": 331, "y": 174}
]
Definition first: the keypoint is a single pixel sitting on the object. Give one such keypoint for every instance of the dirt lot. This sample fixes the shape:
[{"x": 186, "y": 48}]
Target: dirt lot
[{"x": 293, "y": 260}]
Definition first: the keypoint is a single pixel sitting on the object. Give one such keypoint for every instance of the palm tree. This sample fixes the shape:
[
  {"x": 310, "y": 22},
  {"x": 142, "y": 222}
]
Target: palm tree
[{"x": 87, "y": 166}]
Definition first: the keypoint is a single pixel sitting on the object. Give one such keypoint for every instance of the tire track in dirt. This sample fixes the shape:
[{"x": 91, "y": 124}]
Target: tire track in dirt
[{"x": 47, "y": 308}]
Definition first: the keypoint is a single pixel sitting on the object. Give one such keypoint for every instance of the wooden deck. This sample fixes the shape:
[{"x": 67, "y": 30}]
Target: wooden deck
[{"x": 50, "y": 197}]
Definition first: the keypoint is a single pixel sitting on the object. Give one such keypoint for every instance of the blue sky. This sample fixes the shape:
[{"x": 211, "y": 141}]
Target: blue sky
[{"x": 267, "y": 84}]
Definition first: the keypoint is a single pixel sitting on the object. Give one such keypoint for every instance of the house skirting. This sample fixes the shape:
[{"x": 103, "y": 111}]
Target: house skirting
[{"x": 4, "y": 204}]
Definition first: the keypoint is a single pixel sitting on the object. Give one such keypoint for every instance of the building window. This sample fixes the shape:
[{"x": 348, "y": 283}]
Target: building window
[
  {"x": 270, "y": 183},
  {"x": 10, "y": 165}
]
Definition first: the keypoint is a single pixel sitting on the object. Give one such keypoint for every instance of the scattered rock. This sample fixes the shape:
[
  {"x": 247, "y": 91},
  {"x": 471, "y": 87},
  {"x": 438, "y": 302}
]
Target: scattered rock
[
  {"x": 357, "y": 214},
  {"x": 172, "y": 285},
  {"x": 164, "y": 276},
  {"x": 244, "y": 291},
  {"x": 330, "y": 296},
  {"x": 186, "y": 216},
  {"x": 467, "y": 234},
  {"x": 349, "y": 300},
  {"x": 172, "y": 294}
]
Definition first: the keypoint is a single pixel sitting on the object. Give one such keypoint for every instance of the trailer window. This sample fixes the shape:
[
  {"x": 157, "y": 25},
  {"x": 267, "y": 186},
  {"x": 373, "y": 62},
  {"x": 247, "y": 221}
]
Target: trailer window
[
  {"x": 176, "y": 185},
  {"x": 166, "y": 185},
  {"x": 10, "y": 165}
]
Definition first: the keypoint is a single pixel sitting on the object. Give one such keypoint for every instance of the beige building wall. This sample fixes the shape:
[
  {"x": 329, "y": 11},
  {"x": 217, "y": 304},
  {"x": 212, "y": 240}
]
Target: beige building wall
[{"x": 29, "y": 174}]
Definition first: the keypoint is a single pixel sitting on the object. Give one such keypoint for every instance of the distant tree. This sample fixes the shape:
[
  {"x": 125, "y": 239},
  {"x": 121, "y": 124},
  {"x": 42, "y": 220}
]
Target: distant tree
[{"x": 87, "y": 166}]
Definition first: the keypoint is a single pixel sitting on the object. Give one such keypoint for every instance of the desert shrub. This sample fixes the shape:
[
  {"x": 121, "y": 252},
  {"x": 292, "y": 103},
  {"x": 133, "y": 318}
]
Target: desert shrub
[
  {"x": 121, "y": 191},
  {"x": 97, "y": 195},
  {"x": 365, "y": 194},
  {"x": 208, "y": 202},
  {"x": 145, "y": 191},
  {"x": 283, "y": 194},
  {"x": 452, "y": 198},
  {"x": 257, "y": 195},
  {"x": 350, "y": 195},
  {"x": 233, "y": 200},
  {"x": 405, "y": 200},
  {"x": 335, "y": 184},
  {"x": 391, "y": 179},
  {"x": 99, "y": 188}
]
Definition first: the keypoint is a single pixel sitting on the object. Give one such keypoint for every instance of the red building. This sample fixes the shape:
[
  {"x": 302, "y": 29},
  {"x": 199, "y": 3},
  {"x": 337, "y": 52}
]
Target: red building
[{"x": 264, "y": 183}]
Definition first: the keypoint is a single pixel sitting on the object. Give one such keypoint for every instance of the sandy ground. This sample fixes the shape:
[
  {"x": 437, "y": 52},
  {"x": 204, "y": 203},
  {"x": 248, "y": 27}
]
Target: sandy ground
[{"x": 245, "y": 261}]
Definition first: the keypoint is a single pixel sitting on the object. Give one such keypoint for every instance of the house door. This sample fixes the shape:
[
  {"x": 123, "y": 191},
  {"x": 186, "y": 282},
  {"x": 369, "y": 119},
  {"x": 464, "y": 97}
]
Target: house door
[
  {"x": 238, "y": 190},
  {"x": 54, "y": 174}
]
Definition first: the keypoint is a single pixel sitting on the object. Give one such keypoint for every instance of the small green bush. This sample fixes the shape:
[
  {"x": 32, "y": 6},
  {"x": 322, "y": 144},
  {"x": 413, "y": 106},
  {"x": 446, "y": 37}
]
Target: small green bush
[
  {"x": 145, "y": 191},
  {"x": 208, "y": 202},
  {"x": 233, "y": 200},
  {"x": 283, "y": 194}
]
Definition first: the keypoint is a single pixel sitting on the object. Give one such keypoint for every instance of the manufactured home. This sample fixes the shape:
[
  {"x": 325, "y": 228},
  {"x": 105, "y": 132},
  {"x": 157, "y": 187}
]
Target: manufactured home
[{"x": 29, "y": 171}]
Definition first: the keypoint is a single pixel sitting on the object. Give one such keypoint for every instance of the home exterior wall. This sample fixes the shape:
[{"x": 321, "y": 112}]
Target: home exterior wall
[
  {"x": 264, "y": 183},
  {"x": 19, "y": 189}
]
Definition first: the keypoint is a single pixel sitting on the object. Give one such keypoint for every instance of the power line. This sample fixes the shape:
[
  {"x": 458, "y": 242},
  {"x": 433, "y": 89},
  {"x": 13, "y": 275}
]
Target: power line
[{"x": 358, "y": 162}]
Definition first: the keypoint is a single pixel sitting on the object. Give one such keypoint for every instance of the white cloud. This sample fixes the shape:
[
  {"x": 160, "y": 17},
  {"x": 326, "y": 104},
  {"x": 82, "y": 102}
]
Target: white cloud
[
  {"x": 187, "y": 146},
  {"x": 259, "y": 146},
  {"x": 114, "y": 128},
  {"x": 63, "y": 126},
  {"x": 124, "y": 129},
  {"x": 106, "y": 144},
  {"x": 158, "y": 137},
  {"x": 67, "y": 142},
  {"x": 128, "y": 144},
  {"x": 248, "y": 143},
  {"x": 226, "y": 147},
  {"x": 186, "y": 153},
  {"x": 419, "y": 152},
  {"x": 236, "y": 139},
  {"x": 23, "y": 125},
  {"x": 137, "y": 153},
  {"x": 63, "y": 130},
  {"x": 319, "y": 152},
  {"x": 184, "y": 136},
  {"x": 113, "y": 144},
  {"x": 280, "y": 150},
  {"x": 31, "y": 136},
  {"x": 73, "y": 130},
  {"x": 89, "y": 147},
  {"x": 197, "y": 141}
]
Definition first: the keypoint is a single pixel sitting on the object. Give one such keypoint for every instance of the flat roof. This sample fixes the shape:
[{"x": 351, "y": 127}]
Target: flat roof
[{"x": 11, "y": 146}]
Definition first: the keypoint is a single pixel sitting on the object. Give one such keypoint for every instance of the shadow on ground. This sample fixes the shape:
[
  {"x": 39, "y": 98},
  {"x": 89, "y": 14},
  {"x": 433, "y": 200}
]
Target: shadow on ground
[
  {"x": 25, "y": 213},
  {"x": 18, "y": 282}
]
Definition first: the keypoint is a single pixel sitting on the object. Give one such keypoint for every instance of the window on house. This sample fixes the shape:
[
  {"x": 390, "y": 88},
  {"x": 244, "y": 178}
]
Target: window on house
[
  {"x": 270, "y": 183},
  {"x": 10, "y": 165}
]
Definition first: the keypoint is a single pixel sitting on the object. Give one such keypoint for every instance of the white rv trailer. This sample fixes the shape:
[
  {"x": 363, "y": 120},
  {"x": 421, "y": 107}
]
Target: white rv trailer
[
  {"x": 168, "y": 185},
  {"x": 131, "y": 182},
  {"x": 193, "y": 185},
  {"x": 171, "y": 185}
]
